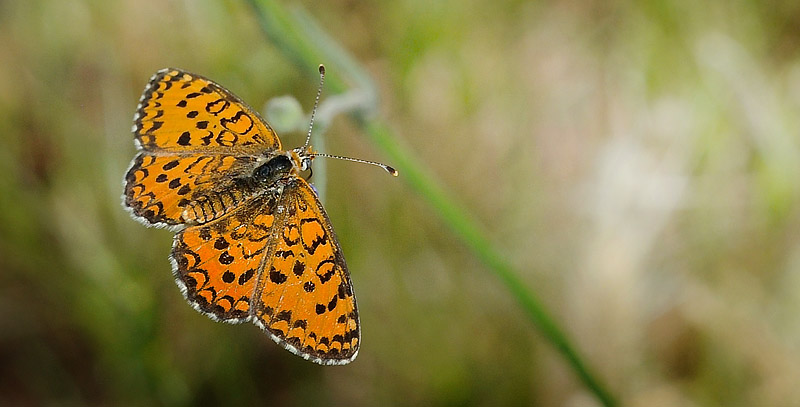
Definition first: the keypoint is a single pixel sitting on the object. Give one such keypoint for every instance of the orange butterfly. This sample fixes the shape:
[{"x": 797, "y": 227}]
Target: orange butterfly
[{"x": 253, "y": 242}]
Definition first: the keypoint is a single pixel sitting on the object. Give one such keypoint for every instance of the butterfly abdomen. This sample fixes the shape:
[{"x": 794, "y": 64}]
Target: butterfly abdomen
[{"x": 213, "y": 205}]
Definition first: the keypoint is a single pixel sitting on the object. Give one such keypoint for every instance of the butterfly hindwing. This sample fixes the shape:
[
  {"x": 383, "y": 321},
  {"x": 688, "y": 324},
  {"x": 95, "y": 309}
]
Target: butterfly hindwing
[
  {"x": 305, "y": 298},
  {"x": 158, "y": 188},
  {"x": 217, "y": 264}
]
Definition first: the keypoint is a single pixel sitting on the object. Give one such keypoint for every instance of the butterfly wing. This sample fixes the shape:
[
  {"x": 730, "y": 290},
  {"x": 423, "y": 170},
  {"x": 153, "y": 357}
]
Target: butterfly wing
[
  {"x": 305, "y": 298},
  {"x": 275, "y": 260},
  {"x": 184, "y": 112},
  {"x": 194, "y": 136},
  {"x": 217, "y": 264},
  {"x": 158, "y": 188}
]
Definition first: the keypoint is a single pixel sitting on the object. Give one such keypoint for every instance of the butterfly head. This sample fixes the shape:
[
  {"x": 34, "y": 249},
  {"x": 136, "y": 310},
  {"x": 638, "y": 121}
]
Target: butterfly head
[
  {"x": 301, "y": 157},
  {"x": 283, "y": 165}
]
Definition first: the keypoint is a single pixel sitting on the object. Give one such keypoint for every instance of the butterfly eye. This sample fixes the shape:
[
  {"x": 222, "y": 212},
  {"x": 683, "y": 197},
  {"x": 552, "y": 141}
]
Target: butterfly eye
[
  {"x": 306, "y": 163},
  {"x": 272, "y": 169}
]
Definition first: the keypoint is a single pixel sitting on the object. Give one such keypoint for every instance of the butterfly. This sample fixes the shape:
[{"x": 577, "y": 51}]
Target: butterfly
[{"x": 252, "y": 242}]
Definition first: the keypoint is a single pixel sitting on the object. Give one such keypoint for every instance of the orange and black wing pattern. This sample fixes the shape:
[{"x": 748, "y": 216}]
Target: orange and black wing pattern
[
  {"x": 192, "y": 135},
  {"x": 183, "y": 112},
  {"x": 217, "y": 264},
  {"x": 159, "y": 188},
  {"x": 283, "y": 269},
  {"x": 305, "y": 298}
]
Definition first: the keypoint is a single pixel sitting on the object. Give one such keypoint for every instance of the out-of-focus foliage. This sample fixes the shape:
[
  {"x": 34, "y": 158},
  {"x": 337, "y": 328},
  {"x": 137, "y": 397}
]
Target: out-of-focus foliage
[{"x": 637, "y": 161}]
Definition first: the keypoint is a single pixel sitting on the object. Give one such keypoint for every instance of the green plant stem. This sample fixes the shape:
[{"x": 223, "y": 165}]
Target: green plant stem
[
  {"x": 468, "y": 231},
  {"x": 302, "y": 49}
]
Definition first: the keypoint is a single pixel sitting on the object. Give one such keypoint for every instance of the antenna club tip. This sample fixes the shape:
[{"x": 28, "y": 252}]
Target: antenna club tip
[
  {"x": 392, "y": 171},
  {"x": 321, "y": 69}
]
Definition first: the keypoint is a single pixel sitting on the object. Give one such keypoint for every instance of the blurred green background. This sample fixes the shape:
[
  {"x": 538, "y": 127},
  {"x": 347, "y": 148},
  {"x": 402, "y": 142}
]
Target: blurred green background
[{"x": 636, "y": 163}]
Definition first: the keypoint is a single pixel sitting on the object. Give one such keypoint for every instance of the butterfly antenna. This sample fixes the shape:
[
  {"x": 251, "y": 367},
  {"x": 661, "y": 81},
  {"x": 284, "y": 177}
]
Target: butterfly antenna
[
  {"x": 388, "y": 169},
  {"x": 316, "y": 103}
]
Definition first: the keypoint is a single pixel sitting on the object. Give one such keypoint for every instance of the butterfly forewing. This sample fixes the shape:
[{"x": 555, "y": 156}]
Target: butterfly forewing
[{"x": 184, "y": 112}]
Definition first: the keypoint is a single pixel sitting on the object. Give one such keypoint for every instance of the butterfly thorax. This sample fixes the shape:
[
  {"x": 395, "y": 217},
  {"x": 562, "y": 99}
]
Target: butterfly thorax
[
  {"x": 271, "y": 171},
  {"x": 268, "y": 177}
]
